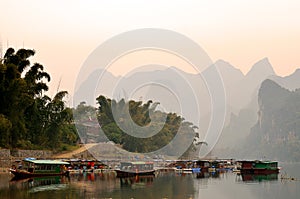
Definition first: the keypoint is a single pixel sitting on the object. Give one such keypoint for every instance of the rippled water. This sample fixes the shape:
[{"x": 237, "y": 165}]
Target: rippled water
[{"x": 164, "y": 185}]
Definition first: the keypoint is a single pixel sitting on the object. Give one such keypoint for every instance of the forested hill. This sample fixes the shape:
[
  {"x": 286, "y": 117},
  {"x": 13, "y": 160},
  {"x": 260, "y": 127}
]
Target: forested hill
[
  {"x": 140, "y": 127},
  {"x": 277, "y": 131}
]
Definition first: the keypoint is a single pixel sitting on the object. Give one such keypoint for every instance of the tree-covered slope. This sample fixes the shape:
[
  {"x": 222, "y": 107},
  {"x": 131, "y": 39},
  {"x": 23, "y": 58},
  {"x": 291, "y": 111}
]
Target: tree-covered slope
[{"x": 123, "y": 121}]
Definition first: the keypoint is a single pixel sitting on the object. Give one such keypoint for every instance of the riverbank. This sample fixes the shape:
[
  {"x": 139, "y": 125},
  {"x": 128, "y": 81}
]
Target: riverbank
[{"x": 9, "y": 157}]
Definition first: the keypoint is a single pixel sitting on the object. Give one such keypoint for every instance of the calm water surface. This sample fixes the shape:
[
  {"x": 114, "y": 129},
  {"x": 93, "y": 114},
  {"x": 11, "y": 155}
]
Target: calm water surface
[{"x": 165, "y": 185}]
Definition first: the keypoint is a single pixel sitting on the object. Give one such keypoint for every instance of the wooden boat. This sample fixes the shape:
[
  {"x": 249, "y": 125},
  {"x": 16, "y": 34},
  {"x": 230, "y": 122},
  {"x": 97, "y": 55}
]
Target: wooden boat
[
  {"x": 259, "y": 167},
  {"x": 131, "y": 169},
  {"x": 39, "y": 168}
]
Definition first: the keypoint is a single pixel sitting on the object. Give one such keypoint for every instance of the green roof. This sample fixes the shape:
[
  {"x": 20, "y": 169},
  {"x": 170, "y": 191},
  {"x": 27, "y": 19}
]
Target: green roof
[{"x": 46, "y": 161}]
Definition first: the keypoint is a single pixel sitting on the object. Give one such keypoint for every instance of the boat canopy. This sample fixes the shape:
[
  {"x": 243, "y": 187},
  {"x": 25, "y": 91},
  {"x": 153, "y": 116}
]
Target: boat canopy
[
  {"x": 54, "y": 162},
  {"x": 137, "y": 163}
]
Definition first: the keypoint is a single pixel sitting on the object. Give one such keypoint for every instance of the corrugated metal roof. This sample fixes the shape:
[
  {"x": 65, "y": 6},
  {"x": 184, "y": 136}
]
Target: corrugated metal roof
[{"x": 46, "y": 161}]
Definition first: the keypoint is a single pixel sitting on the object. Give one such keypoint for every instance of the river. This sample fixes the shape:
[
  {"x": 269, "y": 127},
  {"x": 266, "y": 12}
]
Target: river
[{"x": 164, "y": 185}]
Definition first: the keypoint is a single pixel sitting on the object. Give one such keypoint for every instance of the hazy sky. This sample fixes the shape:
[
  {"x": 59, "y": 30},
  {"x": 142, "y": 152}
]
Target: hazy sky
[{"x": 64, "y": 33}]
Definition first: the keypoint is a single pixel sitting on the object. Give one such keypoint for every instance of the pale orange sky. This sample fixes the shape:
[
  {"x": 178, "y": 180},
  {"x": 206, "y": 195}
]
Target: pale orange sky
[{"x": 64, "y": 33}]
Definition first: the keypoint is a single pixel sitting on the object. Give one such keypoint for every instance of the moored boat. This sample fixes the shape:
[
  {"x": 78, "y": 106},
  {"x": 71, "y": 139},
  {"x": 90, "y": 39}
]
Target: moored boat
[
  {"x": 259, "y": 167},
  {"x": 204, "y": 165},
  {"x": 39, "y": 168},
  {"x": 130, "y": 169}
]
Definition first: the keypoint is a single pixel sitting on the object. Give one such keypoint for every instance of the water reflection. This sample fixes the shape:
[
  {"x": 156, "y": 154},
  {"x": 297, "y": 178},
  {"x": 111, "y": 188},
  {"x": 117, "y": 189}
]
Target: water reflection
[
  {"x": 164, "y": 185},
  {"x": 47, "y": 183},
  {"x": 208, "y": 175},
  {"x": 106, "y": 185},
  {"x": 137, "y": 182},
  {"x": 259, "y": 178}
]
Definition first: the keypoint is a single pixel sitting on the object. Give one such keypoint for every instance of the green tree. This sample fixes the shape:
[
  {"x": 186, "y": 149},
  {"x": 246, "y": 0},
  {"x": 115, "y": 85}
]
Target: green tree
[
  {"x": 58, "y": 115},
  {"x": 28, "y": 117},
  {"x": 18, "y": 90},
  {"x": 5, "y": 127},
  {"x": 51, "y": 122}
]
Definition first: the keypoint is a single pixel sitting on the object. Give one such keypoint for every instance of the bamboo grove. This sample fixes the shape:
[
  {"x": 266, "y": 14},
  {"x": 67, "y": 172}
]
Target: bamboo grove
[{"x": 30, "y": 119}]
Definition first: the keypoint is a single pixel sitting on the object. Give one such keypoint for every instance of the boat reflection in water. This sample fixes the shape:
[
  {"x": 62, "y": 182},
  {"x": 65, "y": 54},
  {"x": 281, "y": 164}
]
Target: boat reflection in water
[
  {"x": 137, "y": 181},
  {"x": 259, "y": 177},
  {"x": 38, "y": 184},
  {"x": 208, "y": 174}
]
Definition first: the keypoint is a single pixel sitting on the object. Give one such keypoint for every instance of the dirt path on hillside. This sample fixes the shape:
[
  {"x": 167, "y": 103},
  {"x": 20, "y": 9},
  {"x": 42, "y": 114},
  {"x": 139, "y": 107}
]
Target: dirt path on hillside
[{"x": 75, "y": 152}]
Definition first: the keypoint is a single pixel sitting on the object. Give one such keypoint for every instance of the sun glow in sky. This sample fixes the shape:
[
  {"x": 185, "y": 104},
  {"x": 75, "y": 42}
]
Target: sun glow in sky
[{"x": 64, "y": 33}]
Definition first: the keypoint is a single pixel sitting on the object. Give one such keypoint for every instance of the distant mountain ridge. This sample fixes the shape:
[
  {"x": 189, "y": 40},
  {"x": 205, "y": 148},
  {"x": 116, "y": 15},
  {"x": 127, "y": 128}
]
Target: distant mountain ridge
[
  {"x": 261, "y": 69},
  {"x": 276, "y": 134},
  {"x": 290, "y": 82},
  {"x": 241, "y": 93},
  {"x": 234, "y": 80},
  {"x": 245, "y": 118}
]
